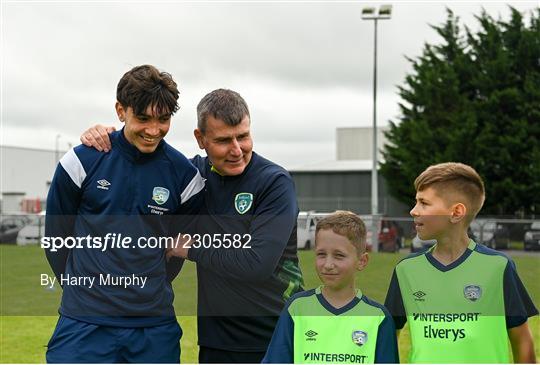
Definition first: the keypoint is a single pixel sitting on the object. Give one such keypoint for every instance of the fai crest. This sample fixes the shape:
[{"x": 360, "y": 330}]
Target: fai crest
[
  {"x": 160, "y": 195},
  {"x": 242, "y": 202},
  {"x": 472, "y": 292},
  {"x": 359, "y": 337}
]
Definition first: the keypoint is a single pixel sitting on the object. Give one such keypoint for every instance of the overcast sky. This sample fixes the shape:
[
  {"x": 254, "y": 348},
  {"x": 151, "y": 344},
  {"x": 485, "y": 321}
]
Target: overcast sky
[{"x": 304, "y": 68}]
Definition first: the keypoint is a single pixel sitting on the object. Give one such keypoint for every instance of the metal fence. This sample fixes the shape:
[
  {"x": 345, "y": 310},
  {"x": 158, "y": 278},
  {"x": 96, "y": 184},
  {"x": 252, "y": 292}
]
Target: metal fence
[
  {"x": 494, "y": 232},
  {"x": 395, "y": 233}
]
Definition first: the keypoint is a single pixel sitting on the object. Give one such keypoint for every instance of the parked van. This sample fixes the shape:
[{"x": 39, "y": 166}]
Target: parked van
[
  {"x": 31, "y": 233},
  {"x": 307, "y": 221},
  {"x": 389, "y": 236}
]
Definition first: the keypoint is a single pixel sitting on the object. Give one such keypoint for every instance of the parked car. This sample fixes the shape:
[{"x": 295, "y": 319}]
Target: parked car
[
  {"x": 390, "y": 237},
  {"x": 420, "y": 245},
  {"x": 491, "y": 233},
  {"x": 531, "y": 239},
  {"x": 10, "y": 227},
  {"x": 32, "y": 232}
]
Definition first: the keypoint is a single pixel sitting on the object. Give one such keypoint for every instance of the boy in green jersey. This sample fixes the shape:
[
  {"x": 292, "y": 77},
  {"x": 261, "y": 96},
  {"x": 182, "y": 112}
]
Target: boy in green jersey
[
  {"x": 461, "y": 299},
  {"x": 335, "y": 323}
]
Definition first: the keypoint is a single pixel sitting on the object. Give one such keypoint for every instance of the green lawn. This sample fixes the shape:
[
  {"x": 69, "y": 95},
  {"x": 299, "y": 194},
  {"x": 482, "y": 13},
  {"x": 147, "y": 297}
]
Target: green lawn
[{"x": 29, "y": 312}]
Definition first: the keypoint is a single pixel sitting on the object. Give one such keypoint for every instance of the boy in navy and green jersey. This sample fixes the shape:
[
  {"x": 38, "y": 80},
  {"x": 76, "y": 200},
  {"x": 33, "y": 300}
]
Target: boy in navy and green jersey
[
  {"x": 335, "y": 323},
  {"x": 462, "y": 300}
]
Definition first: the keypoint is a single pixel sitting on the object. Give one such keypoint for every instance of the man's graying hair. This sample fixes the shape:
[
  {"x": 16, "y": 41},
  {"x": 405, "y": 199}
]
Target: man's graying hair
[{"x": 223, "y": 104}]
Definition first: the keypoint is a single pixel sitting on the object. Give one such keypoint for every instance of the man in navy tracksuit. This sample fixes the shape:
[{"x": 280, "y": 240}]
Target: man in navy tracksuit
[
  {"x": 117, "y": 299},
  {"x": 241, "y": 290}
]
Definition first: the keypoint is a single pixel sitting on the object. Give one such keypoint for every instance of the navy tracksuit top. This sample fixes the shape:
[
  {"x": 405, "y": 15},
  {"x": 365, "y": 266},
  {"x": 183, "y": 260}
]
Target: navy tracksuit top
[
  {"x": 129, "y": 193},
  {"x": 241, "y": 291}
]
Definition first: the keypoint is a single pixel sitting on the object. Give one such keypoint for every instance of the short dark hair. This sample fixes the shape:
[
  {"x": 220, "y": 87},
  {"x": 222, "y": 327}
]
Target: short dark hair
[
  {"x": 223, "y": 104},
  {"x": 145, "y": 85}
]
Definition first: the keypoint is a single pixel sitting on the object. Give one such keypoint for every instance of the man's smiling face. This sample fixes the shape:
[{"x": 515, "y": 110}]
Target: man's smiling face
[{"x": 229, "y": 148}]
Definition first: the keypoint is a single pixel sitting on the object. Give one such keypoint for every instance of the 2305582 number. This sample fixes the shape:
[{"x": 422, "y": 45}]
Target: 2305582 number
[{"x": 217, "y": 240}]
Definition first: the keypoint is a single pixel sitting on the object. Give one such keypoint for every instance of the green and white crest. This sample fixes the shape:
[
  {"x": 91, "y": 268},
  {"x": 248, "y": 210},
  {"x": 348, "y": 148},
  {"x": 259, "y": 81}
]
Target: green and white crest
[
  {"x": 160, "y": 195},
  {"x": 243, "y": 202},
  {"x": 359, "y": 337}
]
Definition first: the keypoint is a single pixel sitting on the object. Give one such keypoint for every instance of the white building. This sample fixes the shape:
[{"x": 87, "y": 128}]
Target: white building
[
  {"x": 356, "y": 143},
  {"x": 25, "y": 173},
  {"x": 345, "y": 183}
]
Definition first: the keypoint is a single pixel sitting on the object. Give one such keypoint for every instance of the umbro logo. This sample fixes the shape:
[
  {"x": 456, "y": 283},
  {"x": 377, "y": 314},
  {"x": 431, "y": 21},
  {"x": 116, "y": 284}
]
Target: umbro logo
[
  {"x": 419, "y": 295},
  {"x": 311, "y": 335},
  {"x": 103, "y": 184}
]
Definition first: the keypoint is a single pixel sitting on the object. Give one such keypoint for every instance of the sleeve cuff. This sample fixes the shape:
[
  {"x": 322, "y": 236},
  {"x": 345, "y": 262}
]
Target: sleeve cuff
[{"x": 515, "y": 321}]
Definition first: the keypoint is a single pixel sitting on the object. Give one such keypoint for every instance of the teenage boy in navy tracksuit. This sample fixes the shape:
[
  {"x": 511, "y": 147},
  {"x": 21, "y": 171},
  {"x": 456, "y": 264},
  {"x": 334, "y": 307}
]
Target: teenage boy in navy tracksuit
[{"x": 117, "y": 301}]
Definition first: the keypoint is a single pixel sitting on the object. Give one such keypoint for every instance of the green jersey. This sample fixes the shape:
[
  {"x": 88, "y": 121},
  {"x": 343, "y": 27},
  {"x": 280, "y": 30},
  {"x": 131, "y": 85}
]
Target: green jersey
[
  {"x": 311, "y": 330},
  {"x": 459, "y": 313}
]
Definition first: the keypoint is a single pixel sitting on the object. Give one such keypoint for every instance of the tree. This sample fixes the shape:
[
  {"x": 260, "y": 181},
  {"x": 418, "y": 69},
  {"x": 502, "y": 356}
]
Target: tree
[{"x": 474, "y": 98}]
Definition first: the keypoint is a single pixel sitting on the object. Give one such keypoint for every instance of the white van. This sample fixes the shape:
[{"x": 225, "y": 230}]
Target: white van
[
  {"x": 307, "y": 221},
  {"x": 31, "y": 233}
]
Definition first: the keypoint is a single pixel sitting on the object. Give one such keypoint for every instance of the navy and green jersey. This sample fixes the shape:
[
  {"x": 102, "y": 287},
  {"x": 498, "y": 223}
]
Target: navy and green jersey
[
  {"x": 311, "y": 331},
  {"x": 459, "y": 313},
  {"x": 131, "y": 195},
  {"x": 241, "y": 291}
]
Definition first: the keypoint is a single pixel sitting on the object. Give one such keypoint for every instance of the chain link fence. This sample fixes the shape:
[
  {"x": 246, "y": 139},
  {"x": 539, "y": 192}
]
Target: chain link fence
[{"x": 397, "y": 233}]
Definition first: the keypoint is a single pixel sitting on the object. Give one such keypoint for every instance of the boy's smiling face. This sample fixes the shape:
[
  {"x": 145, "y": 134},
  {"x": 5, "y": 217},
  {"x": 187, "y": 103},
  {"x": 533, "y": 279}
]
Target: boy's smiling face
[
  {"x": 146, "y": 130},
  {"x": 337, "y": 260},
  {"x": 432, "y": 214}
]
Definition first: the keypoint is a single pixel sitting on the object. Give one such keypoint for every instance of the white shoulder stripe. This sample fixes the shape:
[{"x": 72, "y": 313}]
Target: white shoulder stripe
[
  {"x": 73, "y": 166},
  {"x": 195, "y": 185}
]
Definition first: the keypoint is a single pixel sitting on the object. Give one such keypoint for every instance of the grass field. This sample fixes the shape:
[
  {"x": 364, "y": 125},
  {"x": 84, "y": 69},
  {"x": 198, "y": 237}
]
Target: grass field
[{"x": 29, "y": 312}]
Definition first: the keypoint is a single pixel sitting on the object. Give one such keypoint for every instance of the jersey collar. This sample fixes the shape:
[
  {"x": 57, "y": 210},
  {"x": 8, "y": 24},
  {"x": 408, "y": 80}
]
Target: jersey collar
[
  {"x": 337, "y": 311},
  {"x": 433, "y": 261}
]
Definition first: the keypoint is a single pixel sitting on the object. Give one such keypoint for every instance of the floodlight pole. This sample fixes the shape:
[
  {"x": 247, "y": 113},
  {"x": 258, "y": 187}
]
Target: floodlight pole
[
  {"x": 374, "y": 179},
  {"x": 384, "y": 13}
]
